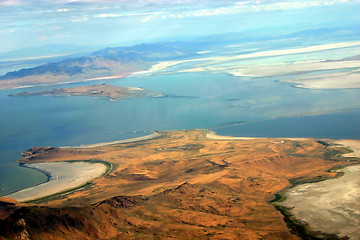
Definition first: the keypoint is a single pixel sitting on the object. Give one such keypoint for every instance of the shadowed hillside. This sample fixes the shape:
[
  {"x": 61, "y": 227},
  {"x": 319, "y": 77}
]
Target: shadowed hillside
[{"x": 179, "y": 185}]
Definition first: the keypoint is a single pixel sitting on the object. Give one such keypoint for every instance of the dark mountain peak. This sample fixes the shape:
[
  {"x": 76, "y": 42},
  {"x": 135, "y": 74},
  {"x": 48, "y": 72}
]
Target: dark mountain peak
[
  {"x": 118, "y": 55},
  {"x": 144, "y": 52}
]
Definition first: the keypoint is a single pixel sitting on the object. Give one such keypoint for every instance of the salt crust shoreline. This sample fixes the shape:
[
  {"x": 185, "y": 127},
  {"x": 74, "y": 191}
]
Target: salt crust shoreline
[
  {"x": 320, "y": 81},
  {"x": 335, "y": 199},
  {"x": 63, "y": 176},
  {"x": 137, "y": 139},
  {"x": 213, "y": 136},
  {"x": 352, "y": 144}
]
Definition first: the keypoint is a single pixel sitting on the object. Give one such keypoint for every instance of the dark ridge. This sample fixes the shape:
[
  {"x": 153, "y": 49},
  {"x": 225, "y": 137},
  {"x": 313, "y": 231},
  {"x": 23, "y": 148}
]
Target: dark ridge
[{"x": 137, "y": 53}]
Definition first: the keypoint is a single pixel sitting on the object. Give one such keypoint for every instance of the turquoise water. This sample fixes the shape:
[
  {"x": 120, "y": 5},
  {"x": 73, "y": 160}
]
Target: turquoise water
[{"x": 203, "y": 100}]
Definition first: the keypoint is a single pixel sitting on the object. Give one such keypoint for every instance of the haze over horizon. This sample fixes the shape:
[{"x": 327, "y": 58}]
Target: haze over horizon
[
  {"x": 106, "y": 23},
  {"x": 158, "y": 119}
]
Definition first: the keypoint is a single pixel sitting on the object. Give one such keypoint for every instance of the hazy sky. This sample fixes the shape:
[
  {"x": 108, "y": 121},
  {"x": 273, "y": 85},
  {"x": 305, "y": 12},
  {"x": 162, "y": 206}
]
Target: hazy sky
[{"x": 27, "y": 23}]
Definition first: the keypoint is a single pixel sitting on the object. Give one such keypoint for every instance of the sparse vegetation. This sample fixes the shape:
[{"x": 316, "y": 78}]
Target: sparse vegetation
[
  {"x": 189, "y": 184},
  {"x": 300, "y": 228},
  {"x": 333, "y": 151}
]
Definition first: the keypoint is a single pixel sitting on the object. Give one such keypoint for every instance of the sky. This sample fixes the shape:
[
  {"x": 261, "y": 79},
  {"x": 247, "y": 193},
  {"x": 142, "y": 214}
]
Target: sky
[{"x": 31, "y": 23}]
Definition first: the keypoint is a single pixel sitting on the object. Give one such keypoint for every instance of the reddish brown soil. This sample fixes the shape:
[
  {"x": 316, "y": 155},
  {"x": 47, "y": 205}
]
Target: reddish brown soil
[{"x": 178, "y": 186}]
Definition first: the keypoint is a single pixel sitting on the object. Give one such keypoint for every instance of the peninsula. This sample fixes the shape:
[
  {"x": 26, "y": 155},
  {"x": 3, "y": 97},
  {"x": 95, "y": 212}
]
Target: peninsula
[
  {"x": 180, "y": 183},
  {"x": 104, "y": 90}
]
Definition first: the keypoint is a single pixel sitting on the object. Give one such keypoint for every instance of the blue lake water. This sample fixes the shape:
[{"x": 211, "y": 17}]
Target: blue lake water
[
  {"x": 340, "y": 125},
  {"x": 203, "y": 100}
]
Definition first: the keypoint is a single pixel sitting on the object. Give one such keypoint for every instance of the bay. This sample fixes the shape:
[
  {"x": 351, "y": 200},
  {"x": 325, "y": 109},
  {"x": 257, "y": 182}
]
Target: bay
[{"x": 197, "y": 100}]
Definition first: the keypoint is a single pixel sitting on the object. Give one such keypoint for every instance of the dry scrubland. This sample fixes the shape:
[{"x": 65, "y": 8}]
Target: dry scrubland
[{"x": 180, "y": 185}]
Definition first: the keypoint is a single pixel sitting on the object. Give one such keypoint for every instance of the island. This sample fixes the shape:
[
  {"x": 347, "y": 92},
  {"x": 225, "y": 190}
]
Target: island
[
  {"x": 103, "y": 90},
  {"x": 174, "y": 184}
]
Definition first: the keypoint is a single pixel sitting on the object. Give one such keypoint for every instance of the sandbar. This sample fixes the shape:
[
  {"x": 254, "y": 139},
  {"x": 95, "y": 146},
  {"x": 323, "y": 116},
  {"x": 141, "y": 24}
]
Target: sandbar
[
  {"x": 63, "y": 176},
  {"x": 213, "y": 136},
  {"x": 136, "y": 139}
]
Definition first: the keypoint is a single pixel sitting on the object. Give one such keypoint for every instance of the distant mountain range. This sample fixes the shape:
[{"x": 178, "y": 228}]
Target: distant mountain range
[
  {"x": 122, "y": 61},
  {"x": 100, "y": 59},
  {"x": 117, "y": 61}
]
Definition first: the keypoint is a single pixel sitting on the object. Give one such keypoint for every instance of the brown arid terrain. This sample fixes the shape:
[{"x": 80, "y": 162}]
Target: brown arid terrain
[
  {"x": 180, "y": 185},
  {"x": 103, "y": 90}
]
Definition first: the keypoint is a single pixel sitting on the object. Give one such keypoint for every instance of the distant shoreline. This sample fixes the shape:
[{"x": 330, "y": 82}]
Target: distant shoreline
[
  {"x": 213, "y": 136},
  {"x": 108, "y": 91},
  {"x": 351, "y": 144},
  {"x": 12, "y": 85},
  {"x": 129, "y": 140}
]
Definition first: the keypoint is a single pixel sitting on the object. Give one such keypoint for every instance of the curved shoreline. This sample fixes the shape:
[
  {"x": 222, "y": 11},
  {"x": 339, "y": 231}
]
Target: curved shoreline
[
  {"x": 129, "y": 140},
  {"x": 52, "y": 186},
  {"x": 62, "y": 177},
  {"x": 203, "y": 135}
]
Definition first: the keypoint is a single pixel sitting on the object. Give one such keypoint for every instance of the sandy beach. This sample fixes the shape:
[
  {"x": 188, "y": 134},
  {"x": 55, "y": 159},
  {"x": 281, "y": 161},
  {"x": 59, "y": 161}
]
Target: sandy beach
[
  {"x": 147, "y": 137},
  {"x": 180, "y": 165},
  {"x": 65, "y": 175},
  {"x": 62, "y": 176},
  {"x": 352, "y": 144},
  {"x": 213, "y": 136}
]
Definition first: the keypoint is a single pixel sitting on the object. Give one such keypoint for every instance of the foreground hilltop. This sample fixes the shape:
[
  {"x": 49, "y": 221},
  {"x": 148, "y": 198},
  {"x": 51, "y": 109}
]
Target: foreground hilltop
[{"x": 178, "y": 185}]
